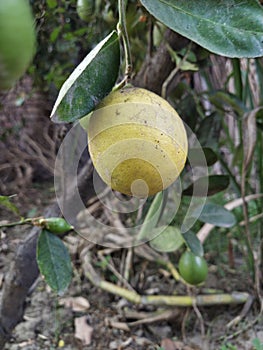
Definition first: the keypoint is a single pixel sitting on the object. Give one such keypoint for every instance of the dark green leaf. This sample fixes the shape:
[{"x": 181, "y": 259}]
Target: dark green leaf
[
  {"x": 225, "y": 101},
  {"x": 52, "y": 3},
  {"x": 216, "y": 215},
  {"x": 193, "y": 243},
  {"x": 209, "y": 131},
  {"x": 196, "y": 156},
  {"x": 228, "y": 28},
  {"x": 5, "y": 201},
  {"x": 169, "y": 240},
  {"x": 207, "y": 186},
  {"x": 186, "y": 106},
  {"x": 90, "y": 82},
  {"x": 54, "y": 261},
  {"x": 249, "y": 127},
  {"x": 54, "y": 34}
]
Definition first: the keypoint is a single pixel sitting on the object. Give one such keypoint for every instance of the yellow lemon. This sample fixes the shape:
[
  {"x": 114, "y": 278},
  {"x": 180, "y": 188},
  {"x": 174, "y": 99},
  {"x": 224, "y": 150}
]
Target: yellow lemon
[{"x": 137, "y": 142}]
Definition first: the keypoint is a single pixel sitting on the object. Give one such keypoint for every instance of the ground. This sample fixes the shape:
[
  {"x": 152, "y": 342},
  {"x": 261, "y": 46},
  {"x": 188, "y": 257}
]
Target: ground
[{"x": 106, "y": 321}]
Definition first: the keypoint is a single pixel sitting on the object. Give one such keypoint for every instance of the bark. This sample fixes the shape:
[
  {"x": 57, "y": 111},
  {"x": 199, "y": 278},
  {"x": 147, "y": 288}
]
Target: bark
[
  {"x": 157, "y": 68},
  {"x": 24, "y": 271},
  {"x": 22, "y": 275}
]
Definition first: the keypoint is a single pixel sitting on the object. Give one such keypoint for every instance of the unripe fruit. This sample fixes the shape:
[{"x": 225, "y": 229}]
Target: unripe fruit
[
  {"x": 85, "y": 9},
  {"x": 192, "y": 268},
  {"x": 137, "y": 142},
  {"x": 17, "y": 41},
  {"x": 55, "y": 225}
]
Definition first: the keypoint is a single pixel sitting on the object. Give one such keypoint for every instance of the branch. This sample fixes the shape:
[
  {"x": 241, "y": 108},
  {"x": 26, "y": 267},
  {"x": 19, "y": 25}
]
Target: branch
[
  {"x": 161, "y": 300},
  {"x": 157, "y": 68}
]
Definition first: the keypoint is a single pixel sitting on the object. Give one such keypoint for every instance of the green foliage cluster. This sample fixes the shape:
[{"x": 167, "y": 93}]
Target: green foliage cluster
[
  {"x": 64, "y": 39},
  {"x": 234, "y": 31}
]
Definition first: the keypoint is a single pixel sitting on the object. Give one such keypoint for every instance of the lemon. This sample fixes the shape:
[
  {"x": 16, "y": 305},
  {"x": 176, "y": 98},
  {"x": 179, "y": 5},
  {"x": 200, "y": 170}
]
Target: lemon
[
  {"x": 55, "y": 225},
  {"x": 192, "y": 268},
  {"x": 137, "y": 142},
  {"x": 85, "y": 9},
  {"x": 17, "y": 40}
]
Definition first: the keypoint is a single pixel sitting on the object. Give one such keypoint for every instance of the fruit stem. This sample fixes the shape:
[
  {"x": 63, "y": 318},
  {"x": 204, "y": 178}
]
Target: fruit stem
[
  {"x": 20, "y": 222},
  {"x": 123, "y": 33}
]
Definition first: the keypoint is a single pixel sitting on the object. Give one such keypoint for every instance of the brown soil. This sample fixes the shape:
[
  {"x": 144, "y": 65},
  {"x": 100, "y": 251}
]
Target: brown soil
[{"x": 49, "y": 325}]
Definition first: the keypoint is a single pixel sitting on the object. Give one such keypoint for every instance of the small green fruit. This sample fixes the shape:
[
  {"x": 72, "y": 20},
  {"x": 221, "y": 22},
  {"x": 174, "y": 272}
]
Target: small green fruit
[
  {"x": 56, "y": 225},
  {"x": 17, "y": 41},
  {"x": 193, "y": 268},
  {"x": 85, "y": 9}
]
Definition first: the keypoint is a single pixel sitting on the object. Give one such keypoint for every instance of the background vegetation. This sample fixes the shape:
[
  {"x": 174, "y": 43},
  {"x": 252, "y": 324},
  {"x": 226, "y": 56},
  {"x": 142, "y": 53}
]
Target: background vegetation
[{"x": 220, "y": 98}]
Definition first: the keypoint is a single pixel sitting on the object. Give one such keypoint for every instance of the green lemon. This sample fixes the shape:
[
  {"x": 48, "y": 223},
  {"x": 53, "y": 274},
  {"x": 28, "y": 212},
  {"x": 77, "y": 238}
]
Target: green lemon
[
  {"x": 192, "y": 268},
  {"x": 137, "y": 142},
  {"x": 17, "y": 41},
  {"x": 56, "y": 225},
  {"x": 85, "y": 9}
]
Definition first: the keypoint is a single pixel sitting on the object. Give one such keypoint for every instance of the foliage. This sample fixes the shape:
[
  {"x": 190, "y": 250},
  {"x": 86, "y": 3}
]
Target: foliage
[
  {"x": 92, "y": 80},
  {"x": 54, "y": 261},
  {"x": 258, "y": 345},
  {"x": 230, "y": 32},
  {"x": 63, "y": 39},
  {"x": 233, "y": 30},
  {"x": 228, "y": 346}
]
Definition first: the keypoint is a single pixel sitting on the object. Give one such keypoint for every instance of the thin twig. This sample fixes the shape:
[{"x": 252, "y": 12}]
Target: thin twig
[
  {"x": 128, "y": 263},
  {"x": 200, "y": 318},
  {"x": 123, "y": 33}
]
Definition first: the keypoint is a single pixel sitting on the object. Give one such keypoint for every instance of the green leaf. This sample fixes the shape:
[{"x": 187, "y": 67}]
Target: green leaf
[
  {"x": 52, "y": 3},
  {"x": 196, "y": 156},
  {"x": 54, "y": 34},
  {"x": 6, "y": 202},
  {"x": 169, "y": 240},
  {"x": 193, "y": 243},
  {"x": 258, "y": 344},
  {"x": 207, "y": 186},
  {"x": 228, "y": 28},
  {"x": 90, "y": 82},
  {"x": 224, "y": 101},
  {"x": 209, "y": 131},
  {"x": 249, "y": 127},
  {"x": 216, "y": 215},
  {"x": 54, "y": 261}
]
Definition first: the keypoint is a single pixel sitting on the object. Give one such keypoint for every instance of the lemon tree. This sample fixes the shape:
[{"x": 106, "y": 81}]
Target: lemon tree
[{"x": 137, "y": 140}]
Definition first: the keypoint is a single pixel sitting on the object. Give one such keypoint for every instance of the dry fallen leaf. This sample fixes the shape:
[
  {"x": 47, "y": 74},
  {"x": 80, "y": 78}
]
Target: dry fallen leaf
[
  {"x": 168, "y": 344},
  {"x": 77, "y": 304},
  {"x": 82, "y": 330}
]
